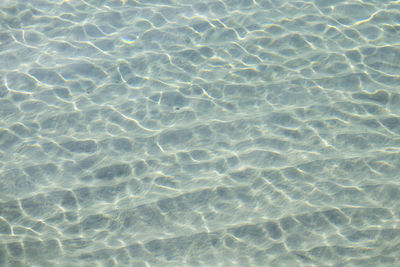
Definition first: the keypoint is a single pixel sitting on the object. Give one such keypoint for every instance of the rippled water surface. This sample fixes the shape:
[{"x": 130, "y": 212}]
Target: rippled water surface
[{"x": 199, "y": 133}]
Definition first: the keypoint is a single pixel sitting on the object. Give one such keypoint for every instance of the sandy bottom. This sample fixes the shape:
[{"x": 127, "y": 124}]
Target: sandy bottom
[{"x": 199, "y": 133}]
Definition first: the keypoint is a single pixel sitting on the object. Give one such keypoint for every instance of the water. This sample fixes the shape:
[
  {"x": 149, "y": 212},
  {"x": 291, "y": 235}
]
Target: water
[{"x": 199, "y": 133}]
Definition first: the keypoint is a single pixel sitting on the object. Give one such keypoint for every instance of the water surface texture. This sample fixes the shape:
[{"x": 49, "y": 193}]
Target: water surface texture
[{"x": 199, "y": 133}]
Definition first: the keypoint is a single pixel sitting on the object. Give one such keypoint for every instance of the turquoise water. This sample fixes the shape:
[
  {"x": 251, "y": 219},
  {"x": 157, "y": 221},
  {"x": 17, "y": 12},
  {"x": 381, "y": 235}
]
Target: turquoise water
[{"x": 199, "y": 133}]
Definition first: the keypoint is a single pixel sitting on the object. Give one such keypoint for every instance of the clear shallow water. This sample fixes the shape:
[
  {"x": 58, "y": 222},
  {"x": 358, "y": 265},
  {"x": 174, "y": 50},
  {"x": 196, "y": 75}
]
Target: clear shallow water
[{"x": 199, "y": 133}]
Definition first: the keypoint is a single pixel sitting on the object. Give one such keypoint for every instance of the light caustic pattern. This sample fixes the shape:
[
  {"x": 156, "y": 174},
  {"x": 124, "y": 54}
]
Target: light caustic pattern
[{"x": 199, "y": 133}]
